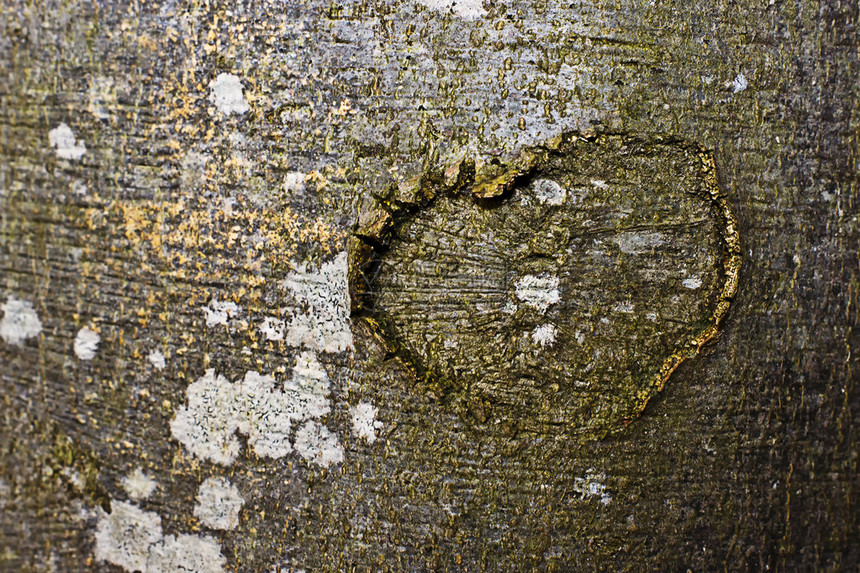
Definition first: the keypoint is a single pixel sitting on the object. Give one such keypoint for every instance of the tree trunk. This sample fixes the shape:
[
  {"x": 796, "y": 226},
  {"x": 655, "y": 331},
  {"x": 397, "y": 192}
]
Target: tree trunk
[{"x": 603, "y": 267}]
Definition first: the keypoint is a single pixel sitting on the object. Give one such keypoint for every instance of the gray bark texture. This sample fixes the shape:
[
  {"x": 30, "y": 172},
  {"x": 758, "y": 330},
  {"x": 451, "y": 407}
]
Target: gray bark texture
[{"x": 423, "y": 285}]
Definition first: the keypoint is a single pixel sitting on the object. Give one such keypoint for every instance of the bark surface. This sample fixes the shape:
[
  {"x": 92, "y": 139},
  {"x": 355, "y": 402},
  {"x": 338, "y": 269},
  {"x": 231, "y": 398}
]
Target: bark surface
[{"x": 182, "y": 384}]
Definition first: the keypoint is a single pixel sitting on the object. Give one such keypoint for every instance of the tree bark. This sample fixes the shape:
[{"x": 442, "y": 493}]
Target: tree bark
[{"x": 189, "y": 192}]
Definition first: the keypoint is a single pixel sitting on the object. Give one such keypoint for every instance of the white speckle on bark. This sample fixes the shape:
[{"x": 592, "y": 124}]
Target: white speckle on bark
[
  {"x": 364, "y": 423},
  {"x": 20, "y": 321},
  {"x": 220, "y": 312},
  {"x": 124, "y": 536},
  {"x": 317, "y": 445},
  {"x": 592, "y": 486},
  {"x": 599, "y": 183},
  {"x": 549, "y": 192},
  {"x": 538, "y": 291},
  {"x": 294, "y": 181},
  {"x": 692, "y": 283},
  {"x": 633, "y": 243},
  {"x": 626, "y": 307},
  {"x": 466, "y": 9},
  {"x": 217, "y": 409},
  {"x": 652, "y": 316},
  {"x": 321, "y": 318},
  {"x": 156, "y": 358},
  {"x": 273, "y": 329},
  {"x": 227, "y": 94},
  {"x": 74, "y": 477},
  {"x": 739, "y": 84},
  {"x": 218, "y": 504},
  {"x": 79, "y": 188},
  {"x": 544, "y": 335},
  {"x": 138, "y": 485},
  {"x": 86, "y": 343},
  {"x": 63, "y": 140}
]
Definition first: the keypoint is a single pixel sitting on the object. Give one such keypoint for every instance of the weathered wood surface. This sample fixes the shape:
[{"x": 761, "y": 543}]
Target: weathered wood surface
[{"x": 173, "y": 272}]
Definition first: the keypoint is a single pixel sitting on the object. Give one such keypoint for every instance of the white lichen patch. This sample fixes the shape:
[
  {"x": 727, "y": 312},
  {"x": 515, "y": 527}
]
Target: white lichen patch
[
  {"x": 138, "y": 485},
  {"x": 692, "y": 283},
  {"x": 466, "y": 9},
  {"x": 217, "y": 409},
  {"x": 156, "y": 358},
  {"x": 364, "y": 422},
  {"x": 591, "y": 486},
  {"x": 544, "y": 335},
  {"x": 320, "y": 320},
  {"x": 219, "y": 312},
  {"x": 633, "y": 243},
  {"x": 132, "y": 539},
  {"x": 62, "y": 139},
  {"x": 20, "y": 321},
  {"x": 79, "y": 188},
  {"x": 125, "y": 536},
  {"x": 294, "y": 181},
  {"x": 218, "y": 504},
  {"x": 207, "y": 426},
  {"x": 273, "y": 328},
  {"x": 316, "y": 444},
  {"x": 86, "y": 343},
  {"x": 739, "y": 84},
  {"x": 186, "y": 553},
  {"x": 538, "y": 291},
  {"x": 549, "y": 192},
  {"x": 227, "y": 94}
]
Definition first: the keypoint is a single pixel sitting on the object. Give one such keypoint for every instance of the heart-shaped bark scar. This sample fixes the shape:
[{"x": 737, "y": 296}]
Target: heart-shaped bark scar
[{"x": 558, "y": 290}]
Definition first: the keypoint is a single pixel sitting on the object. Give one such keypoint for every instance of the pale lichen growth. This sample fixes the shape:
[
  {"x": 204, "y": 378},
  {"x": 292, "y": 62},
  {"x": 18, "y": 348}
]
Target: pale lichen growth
[
  {"x": 132, "y": 539},
  {"x": 187, "y": 553},
  {"x": 138, "y": 485},
  {"x": 157, "y": 359},
  {"x": 591, "y": 486},
  {"x": 20, "y": 321},
  {"x": 634, "y": 243},
  {"x": 218, "y": 504},
  {"x": 217, "y": 409},
  {"x": 273, "y": 328},
  {"x": 544, "y": 335},
  {"x": 220, "y": 312},
  {"x": 227, "y": 94},
  {"x": 364, "y": 422},
  {"x": 466, "y": 9},
  {"x": 626, "y": 307},
  {"x": 692, "y": 283},
  {"x": 549, "y": 192},
  {"x": 317, "y": 445},
  {"x": 124, "y": 536},
  {"x": 538, "y": 291},
  {"x": 294, "y": 181},
  {"x": 63, "y": 141},
  {"x": 86, "y": 343},
  {"x": 320, "y": 320}
]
